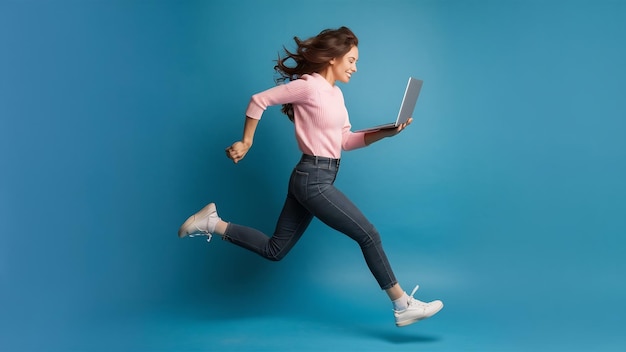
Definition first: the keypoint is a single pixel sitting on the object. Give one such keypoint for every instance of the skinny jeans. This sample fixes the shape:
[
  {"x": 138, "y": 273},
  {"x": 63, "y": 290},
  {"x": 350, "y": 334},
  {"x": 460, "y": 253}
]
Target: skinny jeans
[{"x": 311, "y": 193}]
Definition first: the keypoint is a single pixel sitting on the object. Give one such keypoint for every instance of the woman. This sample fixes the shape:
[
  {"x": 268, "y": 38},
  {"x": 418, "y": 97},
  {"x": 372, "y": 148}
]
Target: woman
[{"x": 311, "y": 99}]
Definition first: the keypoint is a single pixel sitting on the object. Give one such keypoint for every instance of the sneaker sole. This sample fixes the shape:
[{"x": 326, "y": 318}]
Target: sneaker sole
[
  {"x": 188, "y": 226},
  {"x": 409, "y": 322}
]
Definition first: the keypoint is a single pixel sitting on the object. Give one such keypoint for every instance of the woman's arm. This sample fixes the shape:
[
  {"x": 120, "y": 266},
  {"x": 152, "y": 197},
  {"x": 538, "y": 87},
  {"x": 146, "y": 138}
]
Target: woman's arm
[
  {"x": 239, "y": 149},
  {"x": 375, "y": 136},
  {"x": 292, "y": 92}
]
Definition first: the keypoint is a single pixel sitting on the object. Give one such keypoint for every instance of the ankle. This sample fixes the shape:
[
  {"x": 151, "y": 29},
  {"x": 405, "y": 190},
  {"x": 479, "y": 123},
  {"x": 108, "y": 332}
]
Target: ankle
[
  {"x": 220, "y": 227},
  {"x": 401, "y": 303},
  {"x": 395, "y": 292}
]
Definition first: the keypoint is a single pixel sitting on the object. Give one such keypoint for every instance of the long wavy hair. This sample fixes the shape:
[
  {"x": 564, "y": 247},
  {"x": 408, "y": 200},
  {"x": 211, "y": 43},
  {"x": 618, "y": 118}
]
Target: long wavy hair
[{"x": 313, "y": 55}]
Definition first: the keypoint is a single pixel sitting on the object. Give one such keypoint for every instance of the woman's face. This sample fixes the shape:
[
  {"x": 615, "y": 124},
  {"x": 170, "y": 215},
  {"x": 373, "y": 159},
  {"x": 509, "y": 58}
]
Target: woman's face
[{"x": 343, "y": 67}]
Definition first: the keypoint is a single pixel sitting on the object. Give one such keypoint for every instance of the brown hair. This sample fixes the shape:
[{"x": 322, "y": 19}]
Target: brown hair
[{"x": 313, "y": 55}]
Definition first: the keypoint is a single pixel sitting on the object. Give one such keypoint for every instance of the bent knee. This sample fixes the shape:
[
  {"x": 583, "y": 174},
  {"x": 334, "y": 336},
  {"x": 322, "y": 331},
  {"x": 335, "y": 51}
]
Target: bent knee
[
  {"x": 275, "y": 256},
  {"x": 371, "y": 237}
]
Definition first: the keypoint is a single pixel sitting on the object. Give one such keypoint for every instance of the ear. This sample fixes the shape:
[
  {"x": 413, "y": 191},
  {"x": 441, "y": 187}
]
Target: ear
[{"x": 332, "y": 61}]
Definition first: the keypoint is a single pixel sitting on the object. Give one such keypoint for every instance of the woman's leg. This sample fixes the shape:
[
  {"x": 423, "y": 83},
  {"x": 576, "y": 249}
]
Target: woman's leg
[
  {"x": 333, "y": 208},
  {"x": 292, "y": 222},
  {"x": 311, "y": 184},
  {"x": 337, "y": 211}
]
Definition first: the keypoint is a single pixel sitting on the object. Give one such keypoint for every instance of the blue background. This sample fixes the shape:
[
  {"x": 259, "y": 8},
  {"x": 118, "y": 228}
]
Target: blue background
[{"x": 509, "y": 183}]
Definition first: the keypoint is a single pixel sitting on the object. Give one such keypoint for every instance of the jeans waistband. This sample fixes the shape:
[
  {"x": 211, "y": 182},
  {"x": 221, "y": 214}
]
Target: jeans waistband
[{"x": 321, "y": 161}]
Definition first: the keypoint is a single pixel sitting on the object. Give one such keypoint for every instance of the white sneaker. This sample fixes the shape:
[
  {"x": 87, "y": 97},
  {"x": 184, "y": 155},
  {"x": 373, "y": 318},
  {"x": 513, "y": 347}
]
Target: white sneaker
[
  {"x": 201, "y": 223},
  {"x": 417, "y": 310}
]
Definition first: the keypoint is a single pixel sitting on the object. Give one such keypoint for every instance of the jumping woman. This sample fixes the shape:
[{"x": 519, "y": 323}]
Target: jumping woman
[{"x": 314, "y": 103}]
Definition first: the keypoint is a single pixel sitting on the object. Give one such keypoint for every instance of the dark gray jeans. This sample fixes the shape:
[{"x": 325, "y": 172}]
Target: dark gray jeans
[{"x": 311, "y": 193}]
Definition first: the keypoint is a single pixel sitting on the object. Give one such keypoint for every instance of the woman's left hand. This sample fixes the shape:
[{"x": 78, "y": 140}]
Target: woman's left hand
[
  {"x": 395, "y": 131},
  {"x": 375, "y": 136}
]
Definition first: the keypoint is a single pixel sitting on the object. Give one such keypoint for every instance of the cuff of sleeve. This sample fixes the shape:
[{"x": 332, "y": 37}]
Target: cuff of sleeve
[{"x": 254, "y": 111}]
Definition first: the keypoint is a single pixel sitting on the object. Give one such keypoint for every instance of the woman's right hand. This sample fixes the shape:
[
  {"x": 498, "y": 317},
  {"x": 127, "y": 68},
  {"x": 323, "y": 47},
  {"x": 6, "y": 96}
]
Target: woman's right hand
[{"x": 237, "y": 151}]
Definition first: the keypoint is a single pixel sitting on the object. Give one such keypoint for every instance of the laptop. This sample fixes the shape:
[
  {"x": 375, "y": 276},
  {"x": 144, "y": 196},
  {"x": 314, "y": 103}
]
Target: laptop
[{"x": 407, "y": 107}]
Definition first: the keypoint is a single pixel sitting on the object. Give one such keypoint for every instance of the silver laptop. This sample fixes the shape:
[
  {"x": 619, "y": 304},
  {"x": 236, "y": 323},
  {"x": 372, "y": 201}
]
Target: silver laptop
[{"x": 407, "y": 107}]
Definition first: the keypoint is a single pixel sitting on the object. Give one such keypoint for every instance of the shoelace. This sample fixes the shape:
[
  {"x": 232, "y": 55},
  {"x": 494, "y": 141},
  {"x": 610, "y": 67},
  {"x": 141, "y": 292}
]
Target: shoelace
[
  {"x": 413, "y": 299},
  {"x": 208, "y": 239},
  {"x": 209, "y": 236}
]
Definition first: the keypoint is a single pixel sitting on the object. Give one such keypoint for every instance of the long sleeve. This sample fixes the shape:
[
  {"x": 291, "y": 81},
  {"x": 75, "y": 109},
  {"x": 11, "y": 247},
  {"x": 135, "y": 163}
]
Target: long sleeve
[{"x": 294, "y": 92}]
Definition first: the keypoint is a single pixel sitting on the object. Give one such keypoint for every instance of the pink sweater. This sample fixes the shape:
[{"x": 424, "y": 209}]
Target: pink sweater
[{"x": 321, "y": 118}]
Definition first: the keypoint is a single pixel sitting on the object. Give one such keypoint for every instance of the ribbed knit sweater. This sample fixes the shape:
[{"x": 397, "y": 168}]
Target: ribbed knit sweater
[{"x": 321, "y": 120}]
